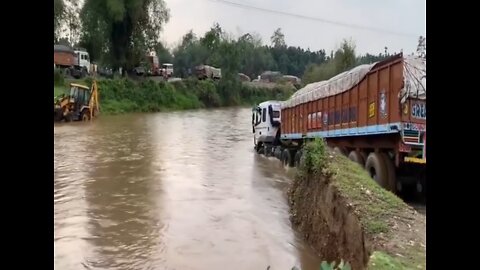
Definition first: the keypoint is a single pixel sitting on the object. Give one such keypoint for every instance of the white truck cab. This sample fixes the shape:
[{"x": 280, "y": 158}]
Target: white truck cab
[
  {"x": 167, "y": 70},
  {"x": 266, "y": 119},
  {"x": 83, "y": 59}
]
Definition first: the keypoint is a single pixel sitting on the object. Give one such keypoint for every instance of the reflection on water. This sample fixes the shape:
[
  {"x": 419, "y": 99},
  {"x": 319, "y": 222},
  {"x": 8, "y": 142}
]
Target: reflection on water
[{"x": 179, "y": 190}]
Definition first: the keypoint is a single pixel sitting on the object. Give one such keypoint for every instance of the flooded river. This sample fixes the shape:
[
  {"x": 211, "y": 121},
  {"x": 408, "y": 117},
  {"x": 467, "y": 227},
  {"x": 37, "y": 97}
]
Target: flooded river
[{"x": 180, "y": 190}]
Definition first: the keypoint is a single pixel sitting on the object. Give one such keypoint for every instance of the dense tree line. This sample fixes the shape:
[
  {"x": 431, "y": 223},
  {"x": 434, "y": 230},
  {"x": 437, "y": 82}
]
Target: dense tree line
[
  {"x": 246, "y": 54},
  {"x": 118, "y": 33}
]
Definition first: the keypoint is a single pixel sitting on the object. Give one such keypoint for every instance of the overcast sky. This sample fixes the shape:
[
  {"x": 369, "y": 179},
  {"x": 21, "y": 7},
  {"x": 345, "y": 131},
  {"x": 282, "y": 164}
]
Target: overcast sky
[{"x": 399, "y": 16}]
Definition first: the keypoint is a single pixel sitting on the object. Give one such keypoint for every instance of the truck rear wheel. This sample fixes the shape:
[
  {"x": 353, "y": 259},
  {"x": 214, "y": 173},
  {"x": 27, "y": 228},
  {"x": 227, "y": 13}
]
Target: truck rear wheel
[
  {"x": 375, "y": 166},
  {"x": 339, "y": 150},
  {"x": 356, "y": 157},
  {"x": 278, "y": 153},
  {"x": 286, "y": 158},
  {"x": 392, "y": 177},
  {"x": 298, "y": 157}
]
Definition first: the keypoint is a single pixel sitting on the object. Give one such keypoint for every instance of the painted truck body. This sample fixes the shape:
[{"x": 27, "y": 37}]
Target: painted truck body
[
  {"x": 374, "y": 114},
  {"x": 73, "y": 62}
]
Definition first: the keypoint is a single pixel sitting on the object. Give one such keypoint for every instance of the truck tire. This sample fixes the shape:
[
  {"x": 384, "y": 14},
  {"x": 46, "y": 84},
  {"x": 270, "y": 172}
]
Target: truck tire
[
  {"x": 278, "y": 153},
  {"x": 259, "y": 148},
  {"x": 286, "y": 158},
  {"x": 356, "y": 157},
  {"x": 340, "y": 150},
  {"x": 298, "y": 157},
  {"x": 267, "y": 150},
  {"x": 375, "y": 166},
  {"x": 364, "y": 156},
  {"x": 423, "y": 184},
  {"x": 392, "y": 176}
]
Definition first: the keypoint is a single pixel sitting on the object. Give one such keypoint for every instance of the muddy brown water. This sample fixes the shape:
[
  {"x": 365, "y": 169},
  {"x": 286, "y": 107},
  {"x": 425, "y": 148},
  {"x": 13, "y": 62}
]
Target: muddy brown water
[{"x": 180, "y": 190}]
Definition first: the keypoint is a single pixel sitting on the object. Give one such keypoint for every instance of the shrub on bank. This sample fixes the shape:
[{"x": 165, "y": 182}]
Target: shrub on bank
[
  {"x": 124, "y": 95},
  {"x": 58, "y": 78}
]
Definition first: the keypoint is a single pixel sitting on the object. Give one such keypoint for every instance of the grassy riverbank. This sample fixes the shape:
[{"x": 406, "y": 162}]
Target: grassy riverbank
[
  {"x": 125, "y": 95},
  {"x": 344, "y": 214}
]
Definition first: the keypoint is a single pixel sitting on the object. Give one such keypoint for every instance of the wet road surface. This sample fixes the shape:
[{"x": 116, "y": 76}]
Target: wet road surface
[{"x": 180, "y": 190}]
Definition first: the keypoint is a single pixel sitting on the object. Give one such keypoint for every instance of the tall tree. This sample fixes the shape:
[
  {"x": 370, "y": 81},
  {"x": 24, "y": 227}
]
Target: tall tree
[
  {"x": 66, "y": 22},
  {"x": 58, "y": 13},
  {"x": 422, "y": 47},
  {"x": 211, "y": 40},
  {"x": 127, "y": 28},
  {"x": 164, "y": 56},
  {"x": 345, "y": 57},
  {"x": 278, "y": 39}
]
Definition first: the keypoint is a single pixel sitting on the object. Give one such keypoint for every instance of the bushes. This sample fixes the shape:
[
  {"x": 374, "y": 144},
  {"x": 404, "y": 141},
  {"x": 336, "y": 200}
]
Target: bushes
[
  {"x": 124, "y": 95},
  {"x": 207, "y": 93},
  {"x": 315, "y": 157},
  {"x": 58, "y": 78}
]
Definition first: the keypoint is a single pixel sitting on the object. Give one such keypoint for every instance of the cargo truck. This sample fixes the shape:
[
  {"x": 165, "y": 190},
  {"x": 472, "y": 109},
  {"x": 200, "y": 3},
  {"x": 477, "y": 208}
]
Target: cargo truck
[
  {"x": 374, "y": 114},
  {"x": 72, "y": 62}
]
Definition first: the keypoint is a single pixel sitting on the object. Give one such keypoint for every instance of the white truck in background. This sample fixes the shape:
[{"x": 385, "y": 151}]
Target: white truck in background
[{"x": 73, "y": 62}]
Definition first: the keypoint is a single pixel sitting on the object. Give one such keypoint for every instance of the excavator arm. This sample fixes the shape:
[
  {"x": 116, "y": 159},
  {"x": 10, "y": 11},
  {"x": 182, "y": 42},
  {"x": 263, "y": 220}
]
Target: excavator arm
[{"x": 94, "y": 104}]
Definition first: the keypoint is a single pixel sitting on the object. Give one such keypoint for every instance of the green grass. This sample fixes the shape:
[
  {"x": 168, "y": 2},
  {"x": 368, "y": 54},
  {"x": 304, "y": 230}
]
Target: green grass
[
  {"x": 373, "y": 204},
  {"x": 382, "y": 261},
  {"x": 123, "y": 95},
  {"x": 413, "y": 260}
]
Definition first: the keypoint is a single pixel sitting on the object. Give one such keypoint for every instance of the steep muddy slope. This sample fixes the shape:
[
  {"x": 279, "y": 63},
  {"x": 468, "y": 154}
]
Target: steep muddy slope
[{"x": 343, "y": 214}]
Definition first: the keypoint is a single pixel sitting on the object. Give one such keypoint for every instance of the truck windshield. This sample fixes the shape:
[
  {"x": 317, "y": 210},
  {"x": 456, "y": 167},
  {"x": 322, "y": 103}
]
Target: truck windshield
[{"x": 74, "y": 92}]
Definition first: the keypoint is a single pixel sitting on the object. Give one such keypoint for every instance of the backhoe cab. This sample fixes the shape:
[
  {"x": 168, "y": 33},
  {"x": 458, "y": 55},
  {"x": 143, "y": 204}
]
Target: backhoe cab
[{"x": 80, "y": 104}]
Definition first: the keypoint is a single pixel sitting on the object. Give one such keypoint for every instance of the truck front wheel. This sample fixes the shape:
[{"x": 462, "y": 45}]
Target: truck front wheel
[{"x": 267, "y": 150}]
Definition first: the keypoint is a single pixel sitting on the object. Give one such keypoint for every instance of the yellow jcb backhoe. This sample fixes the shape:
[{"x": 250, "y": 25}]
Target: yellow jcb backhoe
[{"x": 81, "y": 104}]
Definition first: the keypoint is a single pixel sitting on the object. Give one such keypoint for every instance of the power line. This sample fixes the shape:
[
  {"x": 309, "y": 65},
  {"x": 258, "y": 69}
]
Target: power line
[{"x": 375, "y": 29}]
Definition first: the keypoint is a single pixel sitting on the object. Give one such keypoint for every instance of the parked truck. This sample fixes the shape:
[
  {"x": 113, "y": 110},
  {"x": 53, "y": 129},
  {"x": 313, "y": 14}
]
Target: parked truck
[
  {"x": 375, "y": 114},
  {"x": 270, "y": 76},
  {"x": 167, "y": 70},
  {"x": 74, "y": 63},
  {"x": 205, "y": 71},
  {"x": 153, "y": 64}
]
